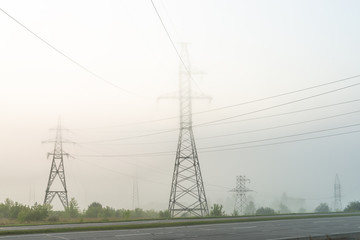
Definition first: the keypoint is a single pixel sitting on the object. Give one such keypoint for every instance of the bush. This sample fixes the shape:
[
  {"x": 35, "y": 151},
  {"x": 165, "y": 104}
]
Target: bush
[
  {"x": 217, "y": 210},
  {"x": 265, "y": 211},
  {"x": 94, "y": 210},
  {"x": 322, "y": 208},
  {"x": 53, "y": 218},
  {"x": 72, "y": 210},
  {"x": 35, "y": 213},
  {"x": 353, "y": 207},
  {"x": 164, "y": 214}
]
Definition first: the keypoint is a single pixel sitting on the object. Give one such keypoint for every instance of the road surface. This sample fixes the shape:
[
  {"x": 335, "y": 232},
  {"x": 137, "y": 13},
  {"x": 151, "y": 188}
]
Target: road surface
[{"x": 267, "y": 230}]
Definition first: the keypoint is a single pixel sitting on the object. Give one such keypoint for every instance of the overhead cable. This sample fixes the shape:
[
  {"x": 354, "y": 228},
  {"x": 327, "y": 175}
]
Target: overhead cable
[{"x": 66, "y": 56}]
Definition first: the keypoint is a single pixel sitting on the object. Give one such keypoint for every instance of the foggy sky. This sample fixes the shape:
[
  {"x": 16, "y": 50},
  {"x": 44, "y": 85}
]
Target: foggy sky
[{"x": 247, "y": 50}]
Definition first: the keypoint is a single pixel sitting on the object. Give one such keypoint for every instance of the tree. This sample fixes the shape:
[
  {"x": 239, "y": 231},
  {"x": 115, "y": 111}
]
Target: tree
[
  {"x": 137, "y": 213},
  {"x": 283, "y": 209},
  {"x": 250, "y": 208},
  {"x": 235, "y": 213},
  {"x": 94, "y": 210},
  {"x": 73, "y": 209},
  {"x": 265, "y": 211},
  {"x": 217, "y": 210},
  {"x": 164, "y": 214},
  {"x": 35, "y": 213},
  {"x": 322, "y": 208},
  {"x": 353, "y": 207}
]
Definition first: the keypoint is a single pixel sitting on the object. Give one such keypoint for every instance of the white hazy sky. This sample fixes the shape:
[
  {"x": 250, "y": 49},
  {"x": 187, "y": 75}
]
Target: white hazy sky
[{"x": 246, "y": 49}]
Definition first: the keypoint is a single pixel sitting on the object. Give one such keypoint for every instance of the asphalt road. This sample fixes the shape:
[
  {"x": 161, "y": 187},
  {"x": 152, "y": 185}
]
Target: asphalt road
[{"x": 268, "y": 230}]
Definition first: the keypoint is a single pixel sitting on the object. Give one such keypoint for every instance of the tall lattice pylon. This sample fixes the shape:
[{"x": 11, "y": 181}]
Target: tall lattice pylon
[
  {"x": 187, "y": 195},
  {"x": 57, "y": 171},
  {"x": 337, "y": 194},
  {"x": 240, "y": 194}
]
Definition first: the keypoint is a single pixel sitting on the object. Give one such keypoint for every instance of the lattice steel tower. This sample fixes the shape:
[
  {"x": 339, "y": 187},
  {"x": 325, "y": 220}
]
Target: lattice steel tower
[
  {"x": 337, "y": 194},
  {"x": 240, "y": 193},
  {"x": 57, "y": 170},
  {"x": 187, "y": 196},
  {"x": 136, "y": 201}
]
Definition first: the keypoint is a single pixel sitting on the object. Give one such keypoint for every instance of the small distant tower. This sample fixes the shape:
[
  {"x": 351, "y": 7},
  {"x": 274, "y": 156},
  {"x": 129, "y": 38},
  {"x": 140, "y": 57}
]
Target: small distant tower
[
  {"x": 136, "y": 202},
  {"x": 240, "y": 193},
  {"x": 57, "y": 170},
  {"x": 337, "y": 194}
]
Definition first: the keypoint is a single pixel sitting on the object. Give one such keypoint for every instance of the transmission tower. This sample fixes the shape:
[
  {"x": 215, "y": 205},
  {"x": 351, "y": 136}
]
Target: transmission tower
[
  {"x": 337, "y": 194},
  {"x": 240, "y": 193},
  {"x": 187, "y": 195},
  {"x": 136, "y": 202},
  {"x": 57, "y": 170}
]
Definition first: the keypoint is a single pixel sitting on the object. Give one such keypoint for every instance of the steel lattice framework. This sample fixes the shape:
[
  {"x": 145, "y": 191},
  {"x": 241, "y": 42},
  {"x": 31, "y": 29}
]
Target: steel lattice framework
[
  {"x": 187, "y": 196},
  {"x": 136, "y": 200},
  {"x": 240, "y": 193},
  {"x": 57, "y": 170},
  {"x": 337, "y": 194}
]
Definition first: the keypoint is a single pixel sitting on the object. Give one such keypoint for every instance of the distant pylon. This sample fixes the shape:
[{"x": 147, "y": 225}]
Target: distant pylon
[
  {"x": 337, "y": 194},
  {"x": 57, "y": 170},
  {"x": 136, "y": 202},
  {"x": 187, "y": 195},
  {"x": 240, "y": 193}
]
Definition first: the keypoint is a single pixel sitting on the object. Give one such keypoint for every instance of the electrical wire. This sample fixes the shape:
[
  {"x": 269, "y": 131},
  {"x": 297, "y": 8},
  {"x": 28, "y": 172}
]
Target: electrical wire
[
  {"x": 249, "y": 131},
  {"x": 279, "y": 126},
  {"x": 281, "y": 137},
  {"x": 66, "y": 56},
  {"x": 121, "y": 173},
  {"x": 283, "y": 142},
  {"x": 238, "y": 104},
  {"x": 132, "y": 137},
  {"x": 173, "y": 45},
  {"x": 279, "y": 105},
  {"x": 285, "y": 113},
  {"x": 237, "y": 148},
  {"x": 217, "y": 122},
  {"x": 279, "y": 95}
]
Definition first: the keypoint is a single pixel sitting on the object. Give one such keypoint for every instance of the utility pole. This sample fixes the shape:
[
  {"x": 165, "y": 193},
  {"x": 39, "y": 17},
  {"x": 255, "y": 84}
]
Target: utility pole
[
  {"x": 240, "y": 193},
  {"x": 187, "y": 194},
  {"x": 337, "y": 194},
  {"x": 57, "y": 170}
]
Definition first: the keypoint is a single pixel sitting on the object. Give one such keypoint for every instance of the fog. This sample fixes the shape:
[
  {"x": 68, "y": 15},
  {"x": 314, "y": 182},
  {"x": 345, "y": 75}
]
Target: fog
[{"x": 245, "y": 50}]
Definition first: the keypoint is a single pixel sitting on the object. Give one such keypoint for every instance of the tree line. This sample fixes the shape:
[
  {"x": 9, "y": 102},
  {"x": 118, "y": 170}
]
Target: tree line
[{"x": 17, "y": 212}]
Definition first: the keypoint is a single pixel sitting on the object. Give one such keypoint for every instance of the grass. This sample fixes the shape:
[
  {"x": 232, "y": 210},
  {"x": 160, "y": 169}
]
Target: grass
[{"x": 197, "y": 221}]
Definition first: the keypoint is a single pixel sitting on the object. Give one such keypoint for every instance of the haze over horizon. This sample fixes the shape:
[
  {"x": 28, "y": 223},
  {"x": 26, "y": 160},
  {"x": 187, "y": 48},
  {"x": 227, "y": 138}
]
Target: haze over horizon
[{"x": 245, "y": 50}]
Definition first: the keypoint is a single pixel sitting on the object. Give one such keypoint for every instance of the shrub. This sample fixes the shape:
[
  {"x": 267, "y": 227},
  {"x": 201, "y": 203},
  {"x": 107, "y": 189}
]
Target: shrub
[
  {"x": 322, "y": 208},
  {"x": 265, "y": 211},
  {"x": 353, "y": 207}
]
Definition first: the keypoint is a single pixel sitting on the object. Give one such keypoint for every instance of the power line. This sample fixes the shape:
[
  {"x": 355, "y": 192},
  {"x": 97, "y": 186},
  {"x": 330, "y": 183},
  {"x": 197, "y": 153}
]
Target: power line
[
  {"x": 280, "y": 126},
  {"x": 285, "y": 113},
  {"x": 121, "y": 173},
  {"x": 281, "y": 137},
  {"x": 230, "y": 122},
  {"x": 280, "y": 95},
  {"x": 279, "y": 105},
  {"x": 229, "y": 149},
  {"x": 173, "y": 45},
  {"x": 283, "y": 142},
  {"x": 239, "y": 104},
  {"x": 132, "y": 137},
  {"x": 66, "y": 56},
  {"x": 250, "y": 131}
]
